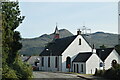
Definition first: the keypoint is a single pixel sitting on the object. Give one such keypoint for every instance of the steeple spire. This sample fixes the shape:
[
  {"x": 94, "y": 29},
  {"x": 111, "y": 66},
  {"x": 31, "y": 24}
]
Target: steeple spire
[{"x": 56, "y": 33}]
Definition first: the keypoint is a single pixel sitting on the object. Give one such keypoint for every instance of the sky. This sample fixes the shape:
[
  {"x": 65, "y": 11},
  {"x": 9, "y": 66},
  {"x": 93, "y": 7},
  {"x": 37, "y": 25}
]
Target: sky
[{"x": 41, "y": 17}]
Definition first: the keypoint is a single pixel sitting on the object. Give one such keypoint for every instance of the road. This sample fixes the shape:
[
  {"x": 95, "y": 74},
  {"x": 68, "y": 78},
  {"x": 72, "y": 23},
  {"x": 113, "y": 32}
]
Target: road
[{"x": 55, "y": 75}]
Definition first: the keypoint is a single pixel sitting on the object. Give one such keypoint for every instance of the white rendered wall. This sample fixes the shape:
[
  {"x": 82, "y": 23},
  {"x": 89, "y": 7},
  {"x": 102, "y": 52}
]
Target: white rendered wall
[
  {"x": 119, "y": 60},
  {"x": 79, "y": 65},
  {"x": 73, "y": 49},
  {"x": 92, "y": 63},
  {"x": 52, "y": 64},
  {"x": 113, "y": 56}
]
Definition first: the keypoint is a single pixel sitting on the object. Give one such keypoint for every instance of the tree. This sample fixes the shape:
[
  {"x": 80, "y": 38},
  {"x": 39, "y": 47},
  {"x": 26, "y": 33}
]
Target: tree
[
  {"x": 102, "y": 47},
  {"x": 11, "y": 62},
  {"x": 117, "y": 47}
]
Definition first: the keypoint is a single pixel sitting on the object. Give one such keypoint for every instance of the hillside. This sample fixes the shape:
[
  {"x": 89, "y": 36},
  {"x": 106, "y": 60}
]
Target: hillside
[{"x": 35, "y": 45}]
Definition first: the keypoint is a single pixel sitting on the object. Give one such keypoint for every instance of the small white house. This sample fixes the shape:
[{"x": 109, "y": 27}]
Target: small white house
[
  {"x": 86, "y": 63},
  {"x": 107, "y": 55}
]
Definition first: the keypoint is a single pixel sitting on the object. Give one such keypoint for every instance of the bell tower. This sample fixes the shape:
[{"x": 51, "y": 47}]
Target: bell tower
[{"x": 56, "y": 33}]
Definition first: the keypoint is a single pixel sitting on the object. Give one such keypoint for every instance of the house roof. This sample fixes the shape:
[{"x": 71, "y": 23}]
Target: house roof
[
  {"x": 82, "y": 57},
  {"x": 104, "y": 53},
  {"x": 56, "y": 47}
]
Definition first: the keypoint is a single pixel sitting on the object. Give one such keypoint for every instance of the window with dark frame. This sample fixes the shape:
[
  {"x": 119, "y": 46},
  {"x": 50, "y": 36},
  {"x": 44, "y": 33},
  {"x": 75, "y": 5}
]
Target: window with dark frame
[
  {"x": 48, "y": 61},
  {"x": 77, "y": 68},
  {"x": 79, "y": 41},
  {"x": 81, "y": 67},
  {"x": 56, "y": 62},
  {"x": 42, "y": 61}
]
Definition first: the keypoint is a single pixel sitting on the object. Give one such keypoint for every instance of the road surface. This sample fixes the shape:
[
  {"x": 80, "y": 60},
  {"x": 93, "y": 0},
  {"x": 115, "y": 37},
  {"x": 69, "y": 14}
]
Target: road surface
[{"x": 55, "y": 76}]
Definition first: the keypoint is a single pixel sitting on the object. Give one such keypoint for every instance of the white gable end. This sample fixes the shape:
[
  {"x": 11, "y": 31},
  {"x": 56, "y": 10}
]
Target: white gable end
[
  {"x": 92, "y": 63},
  {"x": 113, "y": 56},
  {"x": 74, "y": 48}
]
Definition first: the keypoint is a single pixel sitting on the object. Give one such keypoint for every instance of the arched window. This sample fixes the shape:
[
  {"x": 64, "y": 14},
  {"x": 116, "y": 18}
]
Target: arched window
[
  {"x": 114, "y": 62},
  {"x": 48, "y": 61},
  {"x": 56, "y": 62},
  {"x": 68, "y": 62}
]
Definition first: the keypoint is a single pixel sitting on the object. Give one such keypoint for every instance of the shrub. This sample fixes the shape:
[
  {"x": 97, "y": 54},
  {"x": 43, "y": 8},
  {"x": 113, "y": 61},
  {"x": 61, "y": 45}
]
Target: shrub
[
  {"x": 7, "y": 72},
  {"x": 99, "y": 72},
  {"x": 24, "y": 70},
  {"x": 112, "y": 73}
]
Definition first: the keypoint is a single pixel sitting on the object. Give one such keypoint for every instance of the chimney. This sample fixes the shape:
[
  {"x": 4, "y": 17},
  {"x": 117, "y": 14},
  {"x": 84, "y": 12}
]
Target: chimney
[
  {"x": 78, "y": 32},
  {"x": 93, "y": 49}
]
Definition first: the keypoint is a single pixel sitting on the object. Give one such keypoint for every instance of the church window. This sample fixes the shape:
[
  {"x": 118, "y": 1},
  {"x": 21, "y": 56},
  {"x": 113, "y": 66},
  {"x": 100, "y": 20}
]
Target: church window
[
  {"x": 74, "y": 68},
  {"x": 48, "y": 61},
  {"x": 56, "y": 62},
  {"x": 77, "y": 68},
  {"x": 42, "y": 61},
  {"x": 81, "y": 67},
  {"x": 79, "y": 41}
]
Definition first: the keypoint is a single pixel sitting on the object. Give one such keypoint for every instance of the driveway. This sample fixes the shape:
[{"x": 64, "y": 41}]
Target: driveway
[{"x": 55, "y": 75}]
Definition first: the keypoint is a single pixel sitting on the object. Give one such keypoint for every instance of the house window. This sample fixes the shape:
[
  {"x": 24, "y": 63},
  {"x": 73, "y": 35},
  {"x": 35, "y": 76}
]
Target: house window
[
  {"x": 68, "y": 62},
  {"x": 48, "y": 61},
  {"x": 114, "y": 62},
  {"x": 56, "y": 62},
  {"x": 42, "y": 61},
  {"x": 79, "y": 41},
  {"x": 81, "y": 67}
]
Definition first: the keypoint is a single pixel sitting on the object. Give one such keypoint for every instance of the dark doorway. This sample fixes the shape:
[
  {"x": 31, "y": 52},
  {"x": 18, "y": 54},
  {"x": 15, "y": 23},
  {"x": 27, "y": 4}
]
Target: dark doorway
[{"x": 68, "y": 62}]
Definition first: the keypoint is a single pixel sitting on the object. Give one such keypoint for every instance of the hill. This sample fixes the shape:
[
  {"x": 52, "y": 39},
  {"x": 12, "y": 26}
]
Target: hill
[{"x": 34, "y": 46}]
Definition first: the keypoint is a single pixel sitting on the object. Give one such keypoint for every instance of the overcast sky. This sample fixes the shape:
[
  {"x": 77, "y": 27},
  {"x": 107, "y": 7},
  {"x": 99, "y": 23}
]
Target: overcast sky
[{"x": 41, "y": 17}]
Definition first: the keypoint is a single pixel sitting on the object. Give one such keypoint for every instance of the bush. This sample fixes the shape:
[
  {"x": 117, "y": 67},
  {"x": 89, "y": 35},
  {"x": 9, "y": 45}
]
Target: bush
[
  {"x": 7, "y": 72},
  {"x": 24, "y": 70},
  {"x": 112, "y": 73},
  {"x": 99, "y": 72}
]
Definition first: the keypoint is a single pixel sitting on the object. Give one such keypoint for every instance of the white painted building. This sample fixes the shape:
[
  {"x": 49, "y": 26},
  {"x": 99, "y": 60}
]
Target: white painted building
[
  {"x": 86, "y": 63},
  {"x": 107, "y": 55},
  {"x": 54, "y": 56},
  {"x": 61, "y": 55}
]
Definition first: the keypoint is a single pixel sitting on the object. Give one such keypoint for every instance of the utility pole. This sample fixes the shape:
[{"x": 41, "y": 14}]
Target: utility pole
[{"x": 119, "y": 23}]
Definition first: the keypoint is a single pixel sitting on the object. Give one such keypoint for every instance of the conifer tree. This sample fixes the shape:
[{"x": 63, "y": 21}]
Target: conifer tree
[{"x": 12, "y": 65}]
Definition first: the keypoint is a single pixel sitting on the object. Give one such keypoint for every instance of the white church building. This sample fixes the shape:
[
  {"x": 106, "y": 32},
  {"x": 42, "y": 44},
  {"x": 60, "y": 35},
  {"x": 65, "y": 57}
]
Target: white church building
[{"x": 75, "y": 54}]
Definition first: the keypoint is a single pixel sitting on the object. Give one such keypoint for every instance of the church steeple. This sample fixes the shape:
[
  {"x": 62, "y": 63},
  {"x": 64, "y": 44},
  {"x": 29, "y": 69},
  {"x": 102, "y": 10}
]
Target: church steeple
[{"x": 56, "y": 33}]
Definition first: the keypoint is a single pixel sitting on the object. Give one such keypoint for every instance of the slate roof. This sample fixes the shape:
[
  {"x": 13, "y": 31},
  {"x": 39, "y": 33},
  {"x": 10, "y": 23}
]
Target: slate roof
[
  {"x": 104, "y": 53},
  {"x": 82, "y": 57},
  {"x": 57, "y": 47}
]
